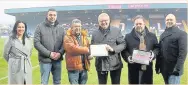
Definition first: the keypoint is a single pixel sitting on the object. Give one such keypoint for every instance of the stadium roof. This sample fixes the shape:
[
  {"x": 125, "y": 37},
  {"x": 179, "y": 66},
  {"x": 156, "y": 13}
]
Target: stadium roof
[{"x": 99, "y": 7}]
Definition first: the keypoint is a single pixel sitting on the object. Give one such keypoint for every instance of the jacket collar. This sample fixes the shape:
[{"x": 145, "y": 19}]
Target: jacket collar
[
  {"x": 104, "y": 31},
  {"x": 168, "y": 32},
  {"x": 47, "y": 23},
  {"x": 83, "y": 32},
  {"x": 171, "y": 29},
  {"x": 134, "y": 34}
]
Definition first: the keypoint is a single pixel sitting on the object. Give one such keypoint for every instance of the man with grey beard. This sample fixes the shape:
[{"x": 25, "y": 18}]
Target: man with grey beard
[
  {"x": 140, "y": 39},
  {"x": 173, "y": 51}
]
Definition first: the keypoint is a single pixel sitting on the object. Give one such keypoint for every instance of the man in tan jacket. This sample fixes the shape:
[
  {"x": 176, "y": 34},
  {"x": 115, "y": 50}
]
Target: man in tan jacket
[{"x": 76, "y": 47}]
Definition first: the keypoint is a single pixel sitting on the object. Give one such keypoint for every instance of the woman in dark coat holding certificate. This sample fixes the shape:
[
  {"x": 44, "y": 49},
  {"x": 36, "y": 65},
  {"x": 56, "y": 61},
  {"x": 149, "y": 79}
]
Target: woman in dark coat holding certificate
[{"x": 139, "y": 39}]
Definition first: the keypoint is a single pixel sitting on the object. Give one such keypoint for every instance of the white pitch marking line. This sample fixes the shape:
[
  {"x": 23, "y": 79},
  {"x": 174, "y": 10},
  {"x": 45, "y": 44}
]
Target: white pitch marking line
[{"x": 33, "y": 68}]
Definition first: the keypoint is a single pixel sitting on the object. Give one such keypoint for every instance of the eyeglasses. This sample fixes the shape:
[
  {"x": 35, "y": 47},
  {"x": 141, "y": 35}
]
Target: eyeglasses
[
  {"x": 169, "y": 19},
  {"x": 104, "y": 21}
]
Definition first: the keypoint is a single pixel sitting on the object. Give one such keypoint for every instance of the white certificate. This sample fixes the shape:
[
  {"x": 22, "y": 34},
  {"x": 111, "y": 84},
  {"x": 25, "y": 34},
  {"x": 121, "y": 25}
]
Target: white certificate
[
  {"x": 98, "y": 50},
  {"x": 141, "y": 57}
]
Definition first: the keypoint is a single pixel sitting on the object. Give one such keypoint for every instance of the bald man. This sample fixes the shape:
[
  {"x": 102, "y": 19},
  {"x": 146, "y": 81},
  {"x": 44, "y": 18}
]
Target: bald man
[
  {"x": 112, "y": 37},
  {"x": 173, "y": 51}
]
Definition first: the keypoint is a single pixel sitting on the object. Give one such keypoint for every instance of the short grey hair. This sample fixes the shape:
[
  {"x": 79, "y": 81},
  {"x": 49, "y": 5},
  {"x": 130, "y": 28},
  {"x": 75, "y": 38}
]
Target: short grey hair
[
  {"x": 102, "y": 15},
  {"x": 74, "y": 21},
  {"x": 139, "y": 17}
]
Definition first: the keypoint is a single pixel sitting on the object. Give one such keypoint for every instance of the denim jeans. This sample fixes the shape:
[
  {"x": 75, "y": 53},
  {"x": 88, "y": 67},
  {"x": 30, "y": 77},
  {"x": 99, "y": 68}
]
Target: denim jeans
[
  {"x": 46, "y": 68},
  {"x": 77, "y": 77},
  {"x": 174, "y": 79}
]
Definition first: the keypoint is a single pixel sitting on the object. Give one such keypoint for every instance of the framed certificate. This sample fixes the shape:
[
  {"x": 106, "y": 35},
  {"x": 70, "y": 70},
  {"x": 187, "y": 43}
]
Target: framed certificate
[
  {"x": 98, "y": 50},
  {"x": 141, "y": 57}
]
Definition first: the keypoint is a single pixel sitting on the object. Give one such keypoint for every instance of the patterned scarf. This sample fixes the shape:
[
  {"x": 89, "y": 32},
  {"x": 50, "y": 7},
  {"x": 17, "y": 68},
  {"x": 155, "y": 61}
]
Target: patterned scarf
[{"x": 142, "y": 45}]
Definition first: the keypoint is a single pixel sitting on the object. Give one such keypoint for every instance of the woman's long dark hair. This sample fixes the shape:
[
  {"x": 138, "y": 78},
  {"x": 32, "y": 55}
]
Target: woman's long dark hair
[{"x": 14, "y": 31}]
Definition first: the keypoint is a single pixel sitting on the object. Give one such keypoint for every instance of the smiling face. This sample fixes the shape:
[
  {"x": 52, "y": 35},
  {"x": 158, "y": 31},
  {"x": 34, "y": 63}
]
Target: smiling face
[
  {"x": 104, "y": 20},
  {"x": 20, "y": 29},
  {"x": 52, "y": 16},
  {"x": 170, "y": 20}
]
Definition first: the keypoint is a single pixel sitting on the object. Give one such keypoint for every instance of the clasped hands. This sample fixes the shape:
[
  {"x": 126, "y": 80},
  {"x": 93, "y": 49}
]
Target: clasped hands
[{"x": 55, "y": 55}]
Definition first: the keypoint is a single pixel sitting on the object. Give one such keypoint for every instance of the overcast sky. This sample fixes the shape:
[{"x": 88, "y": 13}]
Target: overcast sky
[{"x": 8, "y": 4}]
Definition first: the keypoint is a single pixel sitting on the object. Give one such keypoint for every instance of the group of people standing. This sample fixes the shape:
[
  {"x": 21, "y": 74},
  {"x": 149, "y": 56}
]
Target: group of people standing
[{"x": 51, "y": 42}]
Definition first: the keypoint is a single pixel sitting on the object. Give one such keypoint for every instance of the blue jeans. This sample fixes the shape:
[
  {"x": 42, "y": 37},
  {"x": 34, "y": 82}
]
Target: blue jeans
[
  {"x": 174, "y": 79},
  {"x": 46, "y": 68},
  {"x": 77, "y": 77}
]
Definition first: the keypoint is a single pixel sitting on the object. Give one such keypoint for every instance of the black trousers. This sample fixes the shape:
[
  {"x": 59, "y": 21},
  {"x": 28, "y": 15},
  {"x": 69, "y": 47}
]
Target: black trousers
[
  {"x": 165, "y": 75},
  {"x": 134, "y": 74},
  {"x": 115, "y": 76}
]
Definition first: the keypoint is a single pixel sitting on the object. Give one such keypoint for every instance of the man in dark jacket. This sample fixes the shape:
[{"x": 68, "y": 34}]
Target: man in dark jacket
[
  {"x": 48, "y": 40},
  {"x": 173, "y": 51},
  {"x": 111, "y": 36},
  {"x": 140, "y": 39}
]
